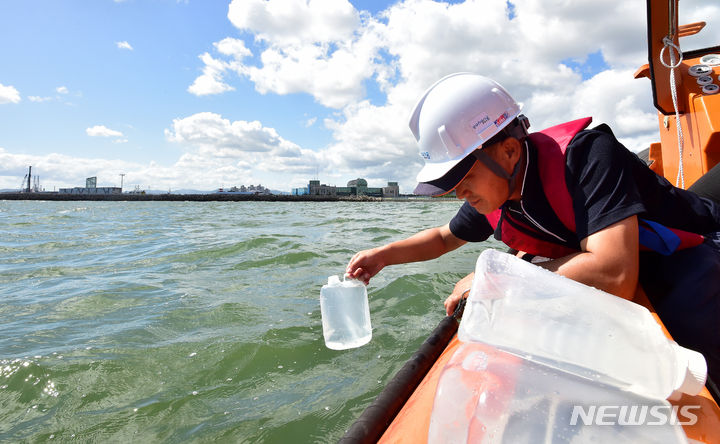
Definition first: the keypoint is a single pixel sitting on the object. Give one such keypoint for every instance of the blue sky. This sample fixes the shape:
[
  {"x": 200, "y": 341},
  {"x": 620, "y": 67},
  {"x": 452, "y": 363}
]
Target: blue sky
[
  {"x": 73, "y": 45},
  {"x": 204, "y": 94}
]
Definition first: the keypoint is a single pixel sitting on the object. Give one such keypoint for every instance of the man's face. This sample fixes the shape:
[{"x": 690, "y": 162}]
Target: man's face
[{"x": 483, "y": 189}]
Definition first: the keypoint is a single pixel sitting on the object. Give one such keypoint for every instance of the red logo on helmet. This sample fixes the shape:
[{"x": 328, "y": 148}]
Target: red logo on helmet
[{"x": 503, "y": 117}]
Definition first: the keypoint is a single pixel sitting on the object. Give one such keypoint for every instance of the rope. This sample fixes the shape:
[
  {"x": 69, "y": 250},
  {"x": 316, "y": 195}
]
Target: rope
[{"x": 680, "y": 180}]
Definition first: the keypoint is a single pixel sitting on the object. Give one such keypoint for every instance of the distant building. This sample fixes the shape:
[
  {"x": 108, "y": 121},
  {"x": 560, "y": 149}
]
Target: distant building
[
  {"x": 250, "y": 189},
  {"x": 93, "y": 191},
  {"x": 359, "y": 187},
  {"x": 255, "y": 189},
  {"x": 345, "y": 191},
  {"x": 316, "y": 189},
  {"x": 391, "y": 190},
  {"x": 91, "y": 188},
  {"x": 355, "y": 187}
]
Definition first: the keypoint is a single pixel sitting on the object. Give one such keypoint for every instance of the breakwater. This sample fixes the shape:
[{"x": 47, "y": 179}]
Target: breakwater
[{"x": 212, "y": 197}]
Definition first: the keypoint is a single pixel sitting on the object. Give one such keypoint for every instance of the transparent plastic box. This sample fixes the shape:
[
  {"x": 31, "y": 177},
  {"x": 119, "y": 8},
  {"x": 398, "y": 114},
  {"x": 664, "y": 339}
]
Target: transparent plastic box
[
  {"x": 486, "y": 395},
  {"x": 527, "y": 310},
  {"x": 545, "y": 359}
]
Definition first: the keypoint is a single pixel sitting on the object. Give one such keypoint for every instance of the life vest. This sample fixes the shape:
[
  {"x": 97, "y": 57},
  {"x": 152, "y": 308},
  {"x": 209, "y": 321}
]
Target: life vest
[{"x": 551, "y": 147}]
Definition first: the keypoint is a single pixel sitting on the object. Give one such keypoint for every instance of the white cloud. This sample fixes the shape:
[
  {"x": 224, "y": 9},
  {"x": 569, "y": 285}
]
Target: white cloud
[
  {"x": 311, "y": 47},
  {"x": 241, "y": 145},
  {"x": 295, "y": 22},
  {"x": 334, "y": 79},
  {"x": 211, "y": 80},
  {"x": 59, "y": 170},
  {"x": 39, "y": 99},
  {"x": 232, "y": 47},
  {"x": 62, "y": 89},
  {"x": 333, "y": 51},
  {"x": 102, "y": 131},
  {"x": 223, "y": 138},
  {"x": 380, "y": 156},
  {"x": 240, "y": 148},
  {"x": 124, "y": 45},
  {"x": 217, "y": 151},
  {"x": 413, "y": 43},
  {"x": 615, "y": 93},
  {"x": 8, "y": 94},
  {"x": 691, "y": 11}
]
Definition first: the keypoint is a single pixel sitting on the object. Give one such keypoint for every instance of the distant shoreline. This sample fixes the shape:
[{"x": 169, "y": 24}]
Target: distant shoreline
[{"x": 214, "y": 197}]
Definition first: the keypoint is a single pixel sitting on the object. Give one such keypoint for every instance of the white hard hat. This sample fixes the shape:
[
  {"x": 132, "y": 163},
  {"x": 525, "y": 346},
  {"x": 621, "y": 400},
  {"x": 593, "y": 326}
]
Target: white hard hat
[{"x": 455, "y": 116}]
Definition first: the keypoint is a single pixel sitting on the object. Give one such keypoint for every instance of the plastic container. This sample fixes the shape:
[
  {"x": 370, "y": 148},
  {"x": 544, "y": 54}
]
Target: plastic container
[
  {"x": 486, "y": 395},
  {"x": 345, "y": 313},
  {"x": 546, "y": 318}
]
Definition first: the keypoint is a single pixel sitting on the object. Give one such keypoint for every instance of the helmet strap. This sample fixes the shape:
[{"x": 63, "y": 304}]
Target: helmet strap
[
  {"x": 499, "y": 170},
  {"x": 512, "y": 181}
]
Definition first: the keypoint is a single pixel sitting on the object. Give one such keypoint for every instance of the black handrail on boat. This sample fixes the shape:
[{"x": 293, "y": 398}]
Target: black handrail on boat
[{"x": 376, "y": 418}]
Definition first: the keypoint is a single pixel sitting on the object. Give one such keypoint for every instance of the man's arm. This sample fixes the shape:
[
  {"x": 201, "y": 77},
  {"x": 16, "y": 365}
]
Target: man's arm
[
  {"x": 609, "y": 259},
  {"x": 428, "y": 244}
]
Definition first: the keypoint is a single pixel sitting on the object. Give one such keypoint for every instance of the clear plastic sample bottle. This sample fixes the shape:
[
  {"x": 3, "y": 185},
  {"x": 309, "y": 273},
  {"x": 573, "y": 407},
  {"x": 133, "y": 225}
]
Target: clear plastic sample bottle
[{"x": 345, "y": 313}]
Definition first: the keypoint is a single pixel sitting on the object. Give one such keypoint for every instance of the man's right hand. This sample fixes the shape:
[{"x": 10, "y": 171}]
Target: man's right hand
[
  {"x": 365, "y": 264},
  {"x": 425, "y": 245}
]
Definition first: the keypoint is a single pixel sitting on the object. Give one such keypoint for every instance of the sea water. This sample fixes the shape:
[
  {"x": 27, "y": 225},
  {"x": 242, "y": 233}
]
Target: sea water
[{"x": 200, "y": 321}]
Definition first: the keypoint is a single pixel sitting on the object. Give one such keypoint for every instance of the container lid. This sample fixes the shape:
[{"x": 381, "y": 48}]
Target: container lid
[
  {"x": 334, "y": 281},
  {"x": 692, "y": 370}
]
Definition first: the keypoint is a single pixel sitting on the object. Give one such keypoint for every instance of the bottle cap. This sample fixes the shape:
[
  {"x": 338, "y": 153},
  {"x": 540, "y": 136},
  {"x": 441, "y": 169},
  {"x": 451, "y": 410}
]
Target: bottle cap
[
  {"x": 692, "y": 370},
  {"x": 333, "y": 280}
]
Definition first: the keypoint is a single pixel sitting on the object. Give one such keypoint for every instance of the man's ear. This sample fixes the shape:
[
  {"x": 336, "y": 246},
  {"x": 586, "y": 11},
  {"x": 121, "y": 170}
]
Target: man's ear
[{"x": 511, "y": 149}]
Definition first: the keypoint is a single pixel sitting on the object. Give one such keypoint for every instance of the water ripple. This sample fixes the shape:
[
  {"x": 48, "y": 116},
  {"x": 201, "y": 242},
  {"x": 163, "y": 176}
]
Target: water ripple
[{"x": 200, "y": 322}]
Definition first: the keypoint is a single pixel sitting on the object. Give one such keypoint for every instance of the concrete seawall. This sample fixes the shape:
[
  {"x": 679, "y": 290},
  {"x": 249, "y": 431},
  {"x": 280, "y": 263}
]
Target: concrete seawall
[{"x": 198, "y": 197}]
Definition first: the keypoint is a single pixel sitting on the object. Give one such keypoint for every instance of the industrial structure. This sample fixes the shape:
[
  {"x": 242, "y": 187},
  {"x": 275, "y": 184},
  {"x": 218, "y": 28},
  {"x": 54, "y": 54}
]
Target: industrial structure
[
  {"x": 355, "y": 187},
  {"x": 251, "y": 189},
  {"x": 91, "y": 188},
  {"x": 30, "y": 184}
]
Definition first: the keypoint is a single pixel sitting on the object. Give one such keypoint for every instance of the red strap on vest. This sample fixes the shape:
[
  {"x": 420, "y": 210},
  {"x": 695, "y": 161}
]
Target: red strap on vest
[
  {"x": 687, "y": 239},
  {"x": 552, "y": 144},
  {"x": 521, "y": 241},
  {"x": 494, "y": 217},
  {"x": 551, "y": 166}
]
